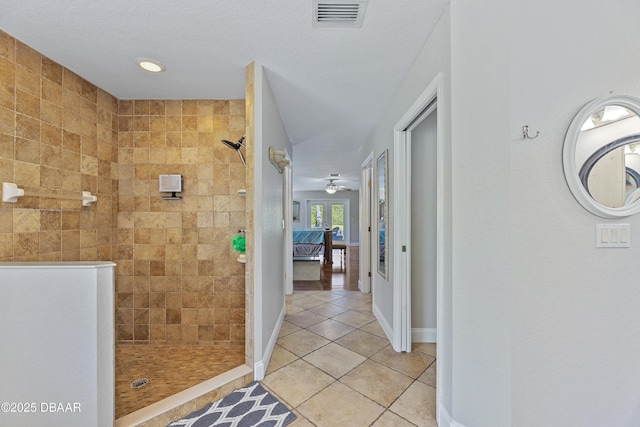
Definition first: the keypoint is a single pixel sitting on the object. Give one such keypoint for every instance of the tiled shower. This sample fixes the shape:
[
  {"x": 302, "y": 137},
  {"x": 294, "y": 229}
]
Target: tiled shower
[{"x": 176, "y": 278}]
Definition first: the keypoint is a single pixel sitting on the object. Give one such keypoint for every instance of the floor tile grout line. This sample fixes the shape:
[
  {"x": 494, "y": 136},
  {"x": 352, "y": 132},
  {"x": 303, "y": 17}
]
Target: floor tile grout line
[
  {"x": 367, "y": 358},
  {"x": 338, "y": 380},
  {"x": 335, "y": 380}
]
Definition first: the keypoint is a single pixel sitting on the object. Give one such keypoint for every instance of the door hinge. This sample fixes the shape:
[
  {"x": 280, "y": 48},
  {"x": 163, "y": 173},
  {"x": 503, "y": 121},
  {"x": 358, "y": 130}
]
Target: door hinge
[
  {"x": 369, "y": 274},
  {"x": 369, "y": 229},
  {"x": 404, "y": 248},
  {"x": 369, "y": 183}
]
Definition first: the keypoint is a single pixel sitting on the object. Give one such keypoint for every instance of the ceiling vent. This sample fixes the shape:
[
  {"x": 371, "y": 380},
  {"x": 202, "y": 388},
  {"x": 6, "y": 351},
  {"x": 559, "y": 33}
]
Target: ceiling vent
[{"x": 338, "y": 13}]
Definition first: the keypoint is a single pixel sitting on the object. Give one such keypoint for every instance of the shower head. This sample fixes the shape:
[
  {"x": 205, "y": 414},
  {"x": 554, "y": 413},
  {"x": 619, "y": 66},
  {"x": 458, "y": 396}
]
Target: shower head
[{"x": 236, "y": 146}]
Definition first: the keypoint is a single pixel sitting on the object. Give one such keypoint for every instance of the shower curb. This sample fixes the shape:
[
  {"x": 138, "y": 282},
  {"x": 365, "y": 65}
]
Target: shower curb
[{"x": 174, "y": 407}]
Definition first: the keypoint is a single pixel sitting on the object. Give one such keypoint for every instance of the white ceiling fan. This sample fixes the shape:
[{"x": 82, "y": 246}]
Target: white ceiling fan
[{"x": 332, "y": 188}]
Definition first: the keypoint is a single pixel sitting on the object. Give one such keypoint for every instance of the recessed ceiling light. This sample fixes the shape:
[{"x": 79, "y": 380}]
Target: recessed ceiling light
[{"x": 150, "y": 65}]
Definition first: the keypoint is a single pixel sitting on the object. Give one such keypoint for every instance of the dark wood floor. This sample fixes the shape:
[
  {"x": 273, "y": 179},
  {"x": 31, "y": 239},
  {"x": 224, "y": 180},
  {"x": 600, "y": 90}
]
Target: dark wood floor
[{"x": 341, "y": 275}]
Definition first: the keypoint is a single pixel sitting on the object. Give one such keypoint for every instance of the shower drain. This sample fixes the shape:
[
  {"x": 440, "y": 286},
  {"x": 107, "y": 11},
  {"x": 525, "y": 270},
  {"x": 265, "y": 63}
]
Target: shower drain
[{"x": 139, "y": 383}]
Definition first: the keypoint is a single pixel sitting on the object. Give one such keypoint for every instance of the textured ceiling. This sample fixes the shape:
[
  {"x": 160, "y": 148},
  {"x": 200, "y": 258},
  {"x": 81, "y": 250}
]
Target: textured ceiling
[{"x": 331, "y": 84}]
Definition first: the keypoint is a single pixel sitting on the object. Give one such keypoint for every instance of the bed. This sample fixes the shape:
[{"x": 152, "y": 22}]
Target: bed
[{"x": 308, "y": 242}]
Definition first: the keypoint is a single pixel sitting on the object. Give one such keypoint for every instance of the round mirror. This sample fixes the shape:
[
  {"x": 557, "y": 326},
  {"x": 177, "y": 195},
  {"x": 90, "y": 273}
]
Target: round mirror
[{"x": 601, "y": 156}]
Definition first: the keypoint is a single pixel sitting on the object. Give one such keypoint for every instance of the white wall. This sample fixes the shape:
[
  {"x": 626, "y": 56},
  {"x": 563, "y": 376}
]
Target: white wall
[
  {"x": 575, "y": 308},
  {"x": 354, "y": 209},
  {"x": 268, "y": 216},
  {"x": 544, "y": 323},
  {"x": 434, "y": 58},
  {"x": 481, "y": 174}
]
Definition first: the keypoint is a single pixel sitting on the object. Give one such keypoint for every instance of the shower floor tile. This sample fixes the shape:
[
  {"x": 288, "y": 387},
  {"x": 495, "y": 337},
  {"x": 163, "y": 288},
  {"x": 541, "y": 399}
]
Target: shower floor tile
[{"x": 169, "y": 368}]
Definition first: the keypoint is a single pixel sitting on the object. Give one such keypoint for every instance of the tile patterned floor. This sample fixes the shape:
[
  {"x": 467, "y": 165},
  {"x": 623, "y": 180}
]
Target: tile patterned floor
[
  {"x": 333, "y": 366},
  {"x": 170, "y": 368}
]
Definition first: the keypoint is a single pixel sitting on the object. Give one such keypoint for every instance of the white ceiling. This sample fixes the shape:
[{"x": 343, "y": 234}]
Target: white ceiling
[{"x": 331, "y": 84}]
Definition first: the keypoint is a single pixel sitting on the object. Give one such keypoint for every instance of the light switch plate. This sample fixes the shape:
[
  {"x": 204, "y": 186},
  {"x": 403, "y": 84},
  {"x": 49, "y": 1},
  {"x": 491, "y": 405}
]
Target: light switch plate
[{"x": 613, "y": 235}]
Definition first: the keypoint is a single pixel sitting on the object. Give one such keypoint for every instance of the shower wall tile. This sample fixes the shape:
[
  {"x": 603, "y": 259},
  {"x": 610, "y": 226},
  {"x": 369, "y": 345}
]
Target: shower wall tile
[
  {"x": 56, "y": 137},
  {"x": 179, "y": 250},
  {"x": 176, "y": 277}
]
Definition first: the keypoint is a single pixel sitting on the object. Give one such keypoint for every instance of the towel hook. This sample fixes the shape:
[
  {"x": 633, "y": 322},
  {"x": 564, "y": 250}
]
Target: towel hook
[{"x": 525, "y": 133}]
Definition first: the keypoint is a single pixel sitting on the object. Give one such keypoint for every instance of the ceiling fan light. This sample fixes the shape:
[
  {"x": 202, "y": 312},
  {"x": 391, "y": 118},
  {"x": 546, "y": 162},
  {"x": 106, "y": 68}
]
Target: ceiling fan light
[{"x": 331, "y": 188}]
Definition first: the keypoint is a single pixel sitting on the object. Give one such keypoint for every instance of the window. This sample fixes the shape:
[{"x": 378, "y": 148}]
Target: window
[{"x": 333, "y": 214}]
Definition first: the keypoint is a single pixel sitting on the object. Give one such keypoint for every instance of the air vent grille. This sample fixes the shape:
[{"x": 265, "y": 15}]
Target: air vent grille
[{"x": 338, "y": 13}]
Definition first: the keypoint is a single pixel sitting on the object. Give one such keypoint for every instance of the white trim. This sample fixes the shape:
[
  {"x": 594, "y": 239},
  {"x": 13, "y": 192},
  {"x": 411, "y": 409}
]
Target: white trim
[
  {"x": 258, "y": 370},
  {"x": 257, "y": 253},
  {"x": 260, "y": 367},
  {"x": 424, "y": 335},
  {"x": 288, "y": 227},
  {"x": 365, "y": 207},
  {"x": 445, "y": 420},
  {"x": 388, "y": 330},
  {"x": 367, "y": 161},
  {"x": 402, "y": 197}
]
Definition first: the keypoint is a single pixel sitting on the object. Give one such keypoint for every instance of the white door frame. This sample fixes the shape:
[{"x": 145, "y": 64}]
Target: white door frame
[
  {"x": 366, "y": 196},
  {"x": 288, "y": 230},
  {"x": 402, "y": 222}
]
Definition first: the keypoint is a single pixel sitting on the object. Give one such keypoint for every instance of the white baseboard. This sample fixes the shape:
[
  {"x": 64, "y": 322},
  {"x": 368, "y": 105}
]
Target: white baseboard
[
  {"x": 445, "y": 420},
  {"x": 388, "y": 330},
  {"x": 258, "y": 371},
  {"x": 424, "y": 334},
  {"x": 260, "y": 367}
]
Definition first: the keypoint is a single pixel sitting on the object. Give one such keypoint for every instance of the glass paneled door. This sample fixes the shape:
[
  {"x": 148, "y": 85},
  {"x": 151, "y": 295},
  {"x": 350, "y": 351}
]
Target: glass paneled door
[{"x": 333, "y": 214}]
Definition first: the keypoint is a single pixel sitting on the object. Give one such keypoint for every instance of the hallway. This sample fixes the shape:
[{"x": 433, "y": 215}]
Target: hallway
[
  {"x": 333, "y": 366},
  {"x": 342, "y": 274}
]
